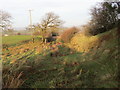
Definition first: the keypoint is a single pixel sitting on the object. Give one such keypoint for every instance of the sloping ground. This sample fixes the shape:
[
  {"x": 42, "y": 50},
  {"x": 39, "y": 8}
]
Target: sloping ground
[
  {"x": 83, "y": 43},
  {"x": 63, "y": 66}
]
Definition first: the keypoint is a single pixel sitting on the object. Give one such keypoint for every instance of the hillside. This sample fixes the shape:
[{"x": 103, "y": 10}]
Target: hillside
[{"x": 85, "y": 62}]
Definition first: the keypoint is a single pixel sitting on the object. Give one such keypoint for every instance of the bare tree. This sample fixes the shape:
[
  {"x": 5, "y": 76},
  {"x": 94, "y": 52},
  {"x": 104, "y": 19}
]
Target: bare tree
[
  {"x": 5, "y": 20},
  {"x": 49, "y": 23}
]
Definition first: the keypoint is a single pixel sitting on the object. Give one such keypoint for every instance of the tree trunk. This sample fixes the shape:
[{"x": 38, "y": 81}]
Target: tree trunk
[
  {"x": 42, "y": 39},
  {"x": 45, "y": 41},
  {"x": 33, "y": 39}
]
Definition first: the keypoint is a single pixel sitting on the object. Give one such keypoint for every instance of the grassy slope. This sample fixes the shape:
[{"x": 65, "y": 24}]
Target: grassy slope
[
  {"x": 69, "y": 68},
  {"x": 97, "y": 68}
]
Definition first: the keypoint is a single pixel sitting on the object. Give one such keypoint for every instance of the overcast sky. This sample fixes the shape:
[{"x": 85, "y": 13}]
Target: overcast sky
[{"x": 73, "y": 12}]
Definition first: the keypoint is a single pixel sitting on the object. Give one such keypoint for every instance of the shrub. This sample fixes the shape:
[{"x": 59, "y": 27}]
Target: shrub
[
  {"x": 86, "y": 30},
  {"x": 50, "y": 39},
  {"x": 68, "y": 34},
  {"x": 36, "y": 33},
  {"x": 54, "y": 34},
  {"x": 18, "y": 33}
]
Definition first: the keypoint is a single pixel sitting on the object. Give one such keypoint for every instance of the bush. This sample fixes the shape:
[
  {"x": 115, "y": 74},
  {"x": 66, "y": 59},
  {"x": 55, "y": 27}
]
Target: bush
[
  {"x": 50, "y": 39},
  {"x": 86, "y": 30},
  {"x": 54, "y": 34},
  {"x": 68, "y": 34},
  {"x": 18, "y": 33},
  {"x": 36, "y": 33}
]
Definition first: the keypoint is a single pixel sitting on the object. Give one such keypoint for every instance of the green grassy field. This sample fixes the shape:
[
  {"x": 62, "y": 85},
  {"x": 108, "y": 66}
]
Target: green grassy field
[
  {"x": 15, "y": 39},
  {"x": 36, "y": 65}
]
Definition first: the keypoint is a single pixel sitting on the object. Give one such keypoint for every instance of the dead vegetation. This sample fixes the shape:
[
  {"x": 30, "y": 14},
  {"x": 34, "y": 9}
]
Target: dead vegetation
[{"x": 68, "y": 34}]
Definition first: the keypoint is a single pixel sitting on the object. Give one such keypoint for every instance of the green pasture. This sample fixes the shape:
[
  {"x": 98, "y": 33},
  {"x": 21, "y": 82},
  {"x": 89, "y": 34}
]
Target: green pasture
[{"x": 15, "y": 39}]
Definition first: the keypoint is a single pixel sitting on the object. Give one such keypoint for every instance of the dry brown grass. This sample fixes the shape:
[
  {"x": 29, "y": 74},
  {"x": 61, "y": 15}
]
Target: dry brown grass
[
  {"x": 68, "y": 34},
  {"x": 118, "y": 31},
  {"x": 12, "y": 81},
  {"x": 106, "y": 37},
  {"x": 83, "y": 43}
]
